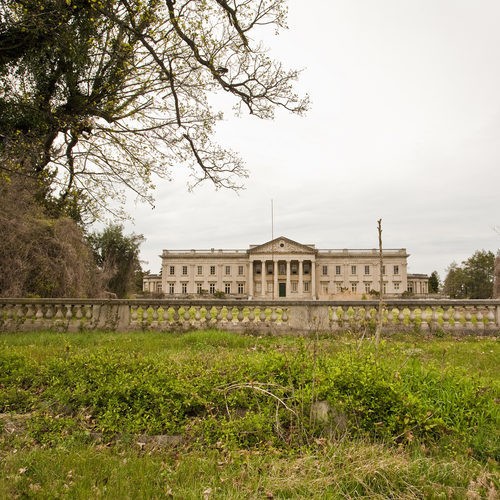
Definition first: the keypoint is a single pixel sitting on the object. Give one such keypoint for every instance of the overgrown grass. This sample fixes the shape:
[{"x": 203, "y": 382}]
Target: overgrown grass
[{"x": 214, "y": 414}]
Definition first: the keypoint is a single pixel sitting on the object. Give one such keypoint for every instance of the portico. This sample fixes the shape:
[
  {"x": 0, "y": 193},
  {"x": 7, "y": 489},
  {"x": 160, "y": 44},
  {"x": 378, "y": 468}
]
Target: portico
[{"x": 282, "y": 269}]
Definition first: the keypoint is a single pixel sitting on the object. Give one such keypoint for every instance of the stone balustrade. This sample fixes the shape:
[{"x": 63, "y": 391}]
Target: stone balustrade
[{"x": 459, "y": 316}]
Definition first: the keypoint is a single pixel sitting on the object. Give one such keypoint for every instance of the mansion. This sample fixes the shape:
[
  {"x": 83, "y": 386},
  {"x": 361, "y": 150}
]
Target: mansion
[{"x": 281, "y": 269}]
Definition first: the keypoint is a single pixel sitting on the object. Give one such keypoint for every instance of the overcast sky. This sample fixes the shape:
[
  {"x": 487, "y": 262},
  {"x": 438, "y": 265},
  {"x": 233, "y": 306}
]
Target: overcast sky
[{"x": 404, "y": 126}]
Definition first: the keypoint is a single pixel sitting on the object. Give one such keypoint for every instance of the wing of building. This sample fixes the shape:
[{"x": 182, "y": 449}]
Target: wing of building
[{"x": 281, "y": 269}]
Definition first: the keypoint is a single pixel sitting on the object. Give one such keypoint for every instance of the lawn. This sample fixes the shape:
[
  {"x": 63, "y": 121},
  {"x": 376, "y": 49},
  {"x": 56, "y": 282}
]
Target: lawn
[{"x": 220, "y": 415}]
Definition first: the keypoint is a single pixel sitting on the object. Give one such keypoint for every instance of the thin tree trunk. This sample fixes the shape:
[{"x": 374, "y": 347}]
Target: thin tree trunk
[{"x": 378, "y": 331}]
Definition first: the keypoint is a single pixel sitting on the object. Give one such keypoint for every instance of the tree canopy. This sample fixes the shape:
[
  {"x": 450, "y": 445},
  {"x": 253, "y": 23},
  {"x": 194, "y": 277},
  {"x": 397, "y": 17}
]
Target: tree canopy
[
  {"x": 473, "y": 279},
  {"x": 98, "y": 95}
]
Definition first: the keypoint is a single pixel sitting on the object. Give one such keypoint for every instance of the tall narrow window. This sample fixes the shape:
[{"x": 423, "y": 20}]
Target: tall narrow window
[
  {"x": 241, "y": 288},
  {"x": 171, "y": 270},
  {"x": 184, "y": 270},
  {"x": 212, "y": 270},
  {"x": 324, "y": 270},
  {"x": 240, "y": 270},
  {"x": 396, "y": 269},
  {"x": 367, "y": 270},
  {"x": 200, "y": 270},
  {"x": 228, "y": 270},
  {"x": 338, "y": 270},
  {"x": 353, "y": 270}
]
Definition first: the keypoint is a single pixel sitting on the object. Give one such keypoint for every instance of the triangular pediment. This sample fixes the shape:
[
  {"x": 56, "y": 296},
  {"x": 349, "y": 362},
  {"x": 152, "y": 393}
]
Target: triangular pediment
[{"x": 282, "y": 245}]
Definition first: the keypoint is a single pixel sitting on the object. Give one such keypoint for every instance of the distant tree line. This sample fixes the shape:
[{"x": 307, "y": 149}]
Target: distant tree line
[{"x": 473, "y": 279}]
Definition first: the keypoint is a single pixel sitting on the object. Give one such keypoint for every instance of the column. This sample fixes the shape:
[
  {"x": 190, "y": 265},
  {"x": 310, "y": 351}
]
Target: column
[
  {"x": 288, "y": 264},
  {"x": 263, "y": 277},
  {"x": 313, "y": 279},
  {"x": 301, "y": 279},
  {"x": 250, "y": 279},
  {"x": 275, "y": 280}
]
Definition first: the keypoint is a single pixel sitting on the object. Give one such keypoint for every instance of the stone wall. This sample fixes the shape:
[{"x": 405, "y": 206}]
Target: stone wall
[{"x": 459, "y": 316}]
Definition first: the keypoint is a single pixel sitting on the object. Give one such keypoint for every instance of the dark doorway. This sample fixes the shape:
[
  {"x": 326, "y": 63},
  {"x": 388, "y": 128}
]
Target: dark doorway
[{"x": 282, "y": 289}]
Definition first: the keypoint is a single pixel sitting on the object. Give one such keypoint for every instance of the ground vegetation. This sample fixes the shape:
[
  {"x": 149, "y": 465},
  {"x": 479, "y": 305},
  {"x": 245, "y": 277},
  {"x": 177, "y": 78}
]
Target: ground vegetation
[{"x": 212, "y": 414}]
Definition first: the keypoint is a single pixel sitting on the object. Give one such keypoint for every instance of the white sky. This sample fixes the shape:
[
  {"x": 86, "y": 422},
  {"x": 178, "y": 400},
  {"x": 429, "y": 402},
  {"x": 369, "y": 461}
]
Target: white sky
[{"x": 404, "y": 126}]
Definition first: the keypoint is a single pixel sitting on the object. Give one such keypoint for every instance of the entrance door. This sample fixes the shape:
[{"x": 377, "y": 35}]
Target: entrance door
[{"x": 282, "y": 289}]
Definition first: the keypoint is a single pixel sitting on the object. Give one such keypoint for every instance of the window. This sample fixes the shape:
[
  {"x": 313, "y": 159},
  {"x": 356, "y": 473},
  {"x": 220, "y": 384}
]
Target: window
[
  {"x": 269, "y": 286},
  {"x": 228, "y": 270},
  {"x": 353, "y": 269},
  {"x": 367, "y": 270},
  {"x": 199, "y": 288},
  {"x": 270, "y": 266},
  {"x": 324, "y": 270},
  {"x": 200, "y": 270},
  {"x": 294, "y": 286},
  {"x": 396, "y": 286},
  {"x": 294, "y": 268},
  {"x": 184, "y": 288},
  {"x": 282, "y": 268},
  {"x": 212, "y": 270},
  {"x": 307, "y": 286},
  {"x": 354, "y": 287},
  {"x": 368, "y": 287},
  {"x": 396, "y": 269},
  {"x": 324, "y": 287},
  {"x": 338, "y": 270},
  {"x": 171, "y": 270},
  {"x": 240, "y": 270},
  {"x": 227, "y": 287},
  {"x": 410, "y": 286},
  {"x": 257, "y": 267},
  {"x": 171, "y": 288},
  {"x": 307, "y": 267},
  {"x": 184, "y": 270},
  {"x": 258, "y": 287},
  {"x": 338, "y": 287},
  {"x": 158, "y": 287},
  {"x": 211, "y": 287},
  {"x": 241, "y": 288}
]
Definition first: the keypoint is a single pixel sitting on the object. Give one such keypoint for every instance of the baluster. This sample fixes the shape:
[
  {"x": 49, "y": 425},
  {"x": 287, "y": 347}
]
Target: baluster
[
  {"x": 262, "y": 315},
  {"x": 457, "y": 319},
  {"x": 221, "y": 317},
  {"x": 480, "y": 321},
  {"x": 69, "y": 313},
  {"x": 175, "y": 314},
  {"x": 446, "y": 319},
  {"x": 251, "y": 314},
  {"x": 401, "y": 317},
  {"x": 240, "y": 317},
  {"x": 412, "y": 318},
  {"x": 434, "y": 319},
  {"x": 274, "y": 316},
  {"x": 154, "y": 317},
  {"x": 229, "y": 314},
  {"x": 468, "y": 318},
  {"x": 187, "y": 315},
  {"x": 334, "y": 321},
  {"x": 491, "y": 318},
  {"x": 30, "y": 314},
  {"x": 424, "y": 319},
  {"x": 284, "y": 315}
]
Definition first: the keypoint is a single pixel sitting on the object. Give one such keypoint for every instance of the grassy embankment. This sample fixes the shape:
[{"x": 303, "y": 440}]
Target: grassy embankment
[{"x": 219, "y": 415}]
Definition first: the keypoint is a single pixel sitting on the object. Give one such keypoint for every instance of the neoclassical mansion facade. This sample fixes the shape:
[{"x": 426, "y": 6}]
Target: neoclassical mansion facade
[{"x": 280, "y": 269}]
